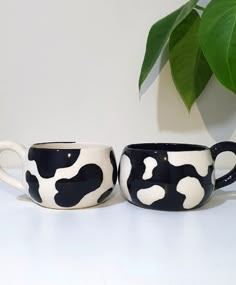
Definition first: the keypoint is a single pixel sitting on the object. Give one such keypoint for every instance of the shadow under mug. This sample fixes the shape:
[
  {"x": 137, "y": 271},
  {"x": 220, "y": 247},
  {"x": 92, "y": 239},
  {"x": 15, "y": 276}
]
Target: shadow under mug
[
  {"x": 171, "y": 177},
  {"x": 64, "y": 175}
]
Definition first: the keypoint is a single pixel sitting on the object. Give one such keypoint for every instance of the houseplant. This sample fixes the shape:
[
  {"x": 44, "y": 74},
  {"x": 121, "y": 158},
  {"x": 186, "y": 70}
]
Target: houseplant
[{"x": 201, "y": 42}]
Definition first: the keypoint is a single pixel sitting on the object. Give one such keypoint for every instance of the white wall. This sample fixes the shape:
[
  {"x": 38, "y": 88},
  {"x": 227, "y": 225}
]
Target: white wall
[{"x": 69, "y": 71}]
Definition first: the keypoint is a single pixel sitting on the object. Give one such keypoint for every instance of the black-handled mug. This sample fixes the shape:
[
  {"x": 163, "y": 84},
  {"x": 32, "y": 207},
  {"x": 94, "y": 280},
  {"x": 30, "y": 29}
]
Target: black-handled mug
[{"x": 171, "y": 177}]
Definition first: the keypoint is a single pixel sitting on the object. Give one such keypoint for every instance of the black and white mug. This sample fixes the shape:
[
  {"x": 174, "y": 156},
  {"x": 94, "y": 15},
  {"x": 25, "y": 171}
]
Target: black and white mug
[
  {"x": 171, "y": 177},
  {"x": 64, "y": 175}
]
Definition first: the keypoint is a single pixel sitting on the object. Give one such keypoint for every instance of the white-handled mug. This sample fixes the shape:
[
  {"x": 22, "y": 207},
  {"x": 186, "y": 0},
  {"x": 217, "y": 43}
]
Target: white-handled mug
[{"x": 64, "y": 175}]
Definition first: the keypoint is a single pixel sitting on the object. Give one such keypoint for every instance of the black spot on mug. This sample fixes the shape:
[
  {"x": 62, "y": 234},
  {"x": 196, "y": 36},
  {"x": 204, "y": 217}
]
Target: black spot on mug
[{"x": 64, "y": 175}]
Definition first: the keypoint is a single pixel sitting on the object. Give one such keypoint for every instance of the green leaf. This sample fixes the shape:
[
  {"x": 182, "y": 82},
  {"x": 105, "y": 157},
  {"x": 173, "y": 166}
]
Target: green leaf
[
  {"x": 189, "y": 68},
  {"x": 159, "y": 35},
  {"x": 218, "y": 40}
]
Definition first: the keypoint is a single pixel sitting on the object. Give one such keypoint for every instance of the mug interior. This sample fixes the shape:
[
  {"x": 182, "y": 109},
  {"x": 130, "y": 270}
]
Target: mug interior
[
  {"x": 178, "y": 147},
  {"x": 69, "y": 145}
]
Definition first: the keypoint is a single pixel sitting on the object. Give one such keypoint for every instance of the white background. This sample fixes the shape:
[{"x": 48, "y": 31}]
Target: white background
[{"x": 69, "y": 71}]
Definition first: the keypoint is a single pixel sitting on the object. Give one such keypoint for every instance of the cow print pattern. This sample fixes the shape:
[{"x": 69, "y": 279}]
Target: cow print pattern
[
  {"x": 33, "y": 187},
  {"x": 158, "y": 189},
  {"x": 71, "y": 191},
  {"x": 52, "y": 159},
  {"x": 68, "y": 179},
  {"x": 113, "y": 162}
]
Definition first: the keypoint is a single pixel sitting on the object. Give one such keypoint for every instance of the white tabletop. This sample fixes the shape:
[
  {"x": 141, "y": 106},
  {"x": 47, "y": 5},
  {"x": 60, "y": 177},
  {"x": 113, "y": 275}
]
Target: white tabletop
[{"x": 117, "y": 243}]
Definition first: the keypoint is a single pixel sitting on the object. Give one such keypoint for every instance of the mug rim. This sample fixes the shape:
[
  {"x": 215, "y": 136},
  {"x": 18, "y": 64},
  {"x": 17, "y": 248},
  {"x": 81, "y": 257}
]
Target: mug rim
[
  {"x": 69, "y": 145},
  {"x": 169, "y": 147}
]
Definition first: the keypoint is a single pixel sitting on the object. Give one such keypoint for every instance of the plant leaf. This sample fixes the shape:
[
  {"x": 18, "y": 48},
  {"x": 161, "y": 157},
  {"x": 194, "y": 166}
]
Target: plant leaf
[
  {"x": 218, "y": 40},
  {"x": 159, "y": 35},
  {"x": 189, "y": 68}
]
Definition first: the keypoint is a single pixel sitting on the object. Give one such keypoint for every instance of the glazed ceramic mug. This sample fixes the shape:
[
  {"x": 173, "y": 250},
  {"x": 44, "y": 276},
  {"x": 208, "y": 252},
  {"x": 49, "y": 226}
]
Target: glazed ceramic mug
[
  {"x": 64, "y": 175},
  {"x": 171, "y": 177}
]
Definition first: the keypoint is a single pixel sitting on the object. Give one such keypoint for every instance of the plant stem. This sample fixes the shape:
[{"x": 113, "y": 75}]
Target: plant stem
[{"x": 199, "y": 7}]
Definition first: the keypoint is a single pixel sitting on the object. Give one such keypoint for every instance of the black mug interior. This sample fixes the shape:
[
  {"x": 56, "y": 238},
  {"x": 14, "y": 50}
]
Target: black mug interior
[{"x": 166, "y": 147}]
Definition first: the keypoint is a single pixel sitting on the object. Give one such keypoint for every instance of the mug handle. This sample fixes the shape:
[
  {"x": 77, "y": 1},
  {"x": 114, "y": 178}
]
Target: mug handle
[
  {"x": 230, "y": 177},
  {"x": 4, "y": 176}
]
